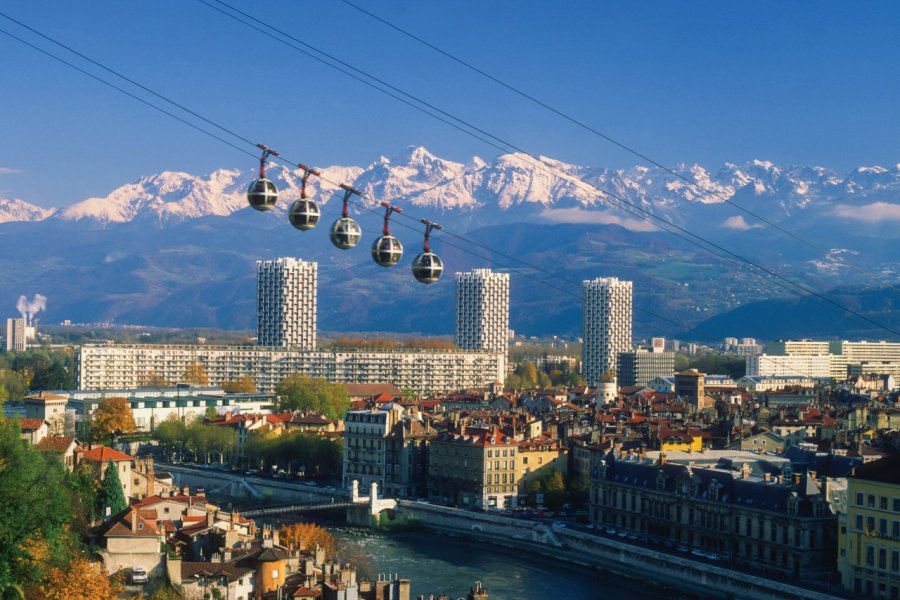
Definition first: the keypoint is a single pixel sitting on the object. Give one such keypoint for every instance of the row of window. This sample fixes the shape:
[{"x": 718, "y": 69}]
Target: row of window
[
  {"x": 882, "y": 530},
  {"x": 868, "y": 501}
]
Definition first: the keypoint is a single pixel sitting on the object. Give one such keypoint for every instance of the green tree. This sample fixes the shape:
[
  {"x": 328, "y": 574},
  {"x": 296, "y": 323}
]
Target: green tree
[
  {"x": 300, "y": 392},
  {"x": 172, "y": 434},
  {"x": 84, "y": 485},
  {"x": 555, "y": 490},
  {"x": 35, "y": 512},
  {"x": 111, "y": 495}
]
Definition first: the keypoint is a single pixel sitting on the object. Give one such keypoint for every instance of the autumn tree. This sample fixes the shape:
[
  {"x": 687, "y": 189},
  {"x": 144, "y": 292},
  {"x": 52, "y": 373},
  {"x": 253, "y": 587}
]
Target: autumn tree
[
  {"x": 111, "y": 495},
  {"x": 307, "y": 536},
  {"x": 241, "y": 385},
  {"x": 112, "y": 417},
  {"x": 301, "y": 392},
  {"x": 195, "y": 374},
  {"x": 80, "y": 580},
  {"x": 152, "y": 379}
]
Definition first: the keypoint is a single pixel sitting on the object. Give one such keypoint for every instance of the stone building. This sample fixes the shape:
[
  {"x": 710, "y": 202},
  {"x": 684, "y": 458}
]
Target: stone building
[
  {"x": 766, "y": 521},
  {"x": 475, "y": 468}
]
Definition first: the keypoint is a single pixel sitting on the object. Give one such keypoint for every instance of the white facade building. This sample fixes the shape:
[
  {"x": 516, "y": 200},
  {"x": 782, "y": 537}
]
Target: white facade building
[
  {"x": 286, "y": 303},
  {"x": 16, "y": 340},
  {"x": 101, "y": 366},
  {"x": 813, "y": 366},
  {"x": 606, "y": 325},
  {"x": 482, "y": 313},
  {"x": 846, "y": 357}
]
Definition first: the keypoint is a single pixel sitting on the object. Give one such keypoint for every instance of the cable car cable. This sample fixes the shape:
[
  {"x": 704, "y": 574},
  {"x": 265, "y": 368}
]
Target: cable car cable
[
  {"x": 602, "y": 191},
  {"x": 575, "y": 121}
]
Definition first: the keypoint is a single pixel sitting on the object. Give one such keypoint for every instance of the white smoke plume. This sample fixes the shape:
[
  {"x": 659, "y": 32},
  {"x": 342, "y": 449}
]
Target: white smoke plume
[{"x": 30, "y": 308}]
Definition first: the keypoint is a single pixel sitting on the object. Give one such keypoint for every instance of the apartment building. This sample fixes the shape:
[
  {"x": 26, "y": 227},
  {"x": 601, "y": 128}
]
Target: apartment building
[{"x": 100, "y": 366}]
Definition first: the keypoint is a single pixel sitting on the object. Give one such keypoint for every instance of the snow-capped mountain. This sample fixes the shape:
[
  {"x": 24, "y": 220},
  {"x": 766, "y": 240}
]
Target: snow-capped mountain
[
  {"x": 19, "y": 210},
  {"x": 518, "y": 187}
]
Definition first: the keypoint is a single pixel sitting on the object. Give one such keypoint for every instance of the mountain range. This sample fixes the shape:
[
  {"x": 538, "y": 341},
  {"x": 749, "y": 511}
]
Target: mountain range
[{"x": 179, "y": 249}]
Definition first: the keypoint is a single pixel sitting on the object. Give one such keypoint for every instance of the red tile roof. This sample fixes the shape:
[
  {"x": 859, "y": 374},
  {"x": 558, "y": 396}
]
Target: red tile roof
[
  {"x": 146, "y": 524},
  {"x": 30, "y": 424},
  {"x": 105, "y": 453},
  {"x": 55, "y": 443}
]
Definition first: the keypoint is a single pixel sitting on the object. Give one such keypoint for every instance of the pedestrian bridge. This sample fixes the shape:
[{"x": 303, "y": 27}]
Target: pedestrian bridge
[{"x": 372, "y": 502}]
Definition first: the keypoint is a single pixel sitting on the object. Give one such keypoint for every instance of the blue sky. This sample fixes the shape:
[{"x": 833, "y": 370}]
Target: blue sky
[{"x": 708, "y": 82}]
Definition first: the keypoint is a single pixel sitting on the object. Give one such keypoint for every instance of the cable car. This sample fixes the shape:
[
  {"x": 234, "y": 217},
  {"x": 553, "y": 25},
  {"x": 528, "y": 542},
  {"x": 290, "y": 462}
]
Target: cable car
[
  {"x": 387, "y": 250},
  {"x": 262, "y": 194},
  {"x": 345, "y": 232},
  {"x": 304, "y": 213},
  {"x": 427, "y": 267}
]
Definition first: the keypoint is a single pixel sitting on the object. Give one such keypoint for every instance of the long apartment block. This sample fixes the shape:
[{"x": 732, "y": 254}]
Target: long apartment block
[{"x": 100, "y": 366}]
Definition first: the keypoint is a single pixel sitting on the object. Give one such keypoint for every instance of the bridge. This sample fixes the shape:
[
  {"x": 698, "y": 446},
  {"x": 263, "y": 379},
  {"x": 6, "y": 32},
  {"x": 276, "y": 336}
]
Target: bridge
[
  {"x": 296, "y": 508},
  {"x": 374, "y": 505}
]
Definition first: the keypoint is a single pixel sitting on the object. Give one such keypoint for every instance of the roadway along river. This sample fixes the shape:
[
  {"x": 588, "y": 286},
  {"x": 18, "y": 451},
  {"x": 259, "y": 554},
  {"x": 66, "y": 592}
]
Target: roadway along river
[{"x": 436, "y": 563}]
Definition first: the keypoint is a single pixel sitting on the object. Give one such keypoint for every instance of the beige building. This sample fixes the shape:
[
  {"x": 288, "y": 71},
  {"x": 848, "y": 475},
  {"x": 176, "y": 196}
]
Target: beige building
[
  {"x": 536, "y": 456},
  {"x": 50, "y": 407},
  {"x": 99, "y": 457},
  {"x": 474, "y": 468}
]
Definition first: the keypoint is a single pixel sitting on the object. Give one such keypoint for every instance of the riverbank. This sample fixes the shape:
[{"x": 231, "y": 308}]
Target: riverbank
[{"x": 611, "y": 555}]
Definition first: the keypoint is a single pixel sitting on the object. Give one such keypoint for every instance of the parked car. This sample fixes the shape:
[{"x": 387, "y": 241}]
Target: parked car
[{"x": 138, "y": 575}]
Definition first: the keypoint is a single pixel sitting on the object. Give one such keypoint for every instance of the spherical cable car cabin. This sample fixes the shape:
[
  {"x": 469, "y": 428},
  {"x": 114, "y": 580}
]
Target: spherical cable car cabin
[{"x": 262, "y": 194}]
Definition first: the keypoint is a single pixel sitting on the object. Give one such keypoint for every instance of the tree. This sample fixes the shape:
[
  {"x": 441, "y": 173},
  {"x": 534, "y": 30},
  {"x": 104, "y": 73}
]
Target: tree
[
  {"x": 172, "y": 434},
  {"x": 83, "y": 482},
  {"x": 112, "y": 418},
  {"x": 195, "y": 374},
  {"x": 12, "y": 384},
  {"x": 307, "y": 536},
  {"x": 300, "y": 392},
  {"x": 35, "y": 512},
  {"x": 111, "y": 495},
  {"x": 242, "y": 385},
  {"x": 152, "y": 379},
  {"x": 81, "y": 580}
]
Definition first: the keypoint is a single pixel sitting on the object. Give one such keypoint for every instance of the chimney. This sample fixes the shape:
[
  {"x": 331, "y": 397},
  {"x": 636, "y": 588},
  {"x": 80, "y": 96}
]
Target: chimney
[
  {"x": 745, "y": 471},
  {"x": 767, "y": 477},
  {"x": 134, "y": 521},
  {"x": 210, "y": 518},
  {"x": 662, "y": 458},
  {"x": 151, "y": 481},
  {"x": 780, "y": 479},
  {"x": 796, "y": 478}
]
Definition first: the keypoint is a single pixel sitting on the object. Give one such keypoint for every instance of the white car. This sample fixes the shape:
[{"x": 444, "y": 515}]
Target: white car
[{"x": 138, "y": 575}]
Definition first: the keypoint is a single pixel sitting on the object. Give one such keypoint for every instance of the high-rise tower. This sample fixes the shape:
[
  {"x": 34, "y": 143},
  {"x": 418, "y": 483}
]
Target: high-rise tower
[
  {"x": 482, "y": 313},
  {"x": 286, "y": 303},
  {"x": 607, "y": 325}
]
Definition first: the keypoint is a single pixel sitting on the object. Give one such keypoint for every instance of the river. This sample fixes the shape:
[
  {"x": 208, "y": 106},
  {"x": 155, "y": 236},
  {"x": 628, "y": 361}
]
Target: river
[{"x": 436, "y": 563}]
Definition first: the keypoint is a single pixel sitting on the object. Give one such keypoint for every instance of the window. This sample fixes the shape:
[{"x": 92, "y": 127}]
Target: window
[
  {"x": 859, "y": 521},
  {"x": 859, "y": 498},
  {"x": 871, "y": 500},
  {"x": 895, "y": 560},
  {"x": 882, "y": 502},
  {"x": 882, "y": 527},
  {"x": 870, "y": 555},
  {"x": 882, "y": 558},
  {"x": 897, "y": 505}
]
